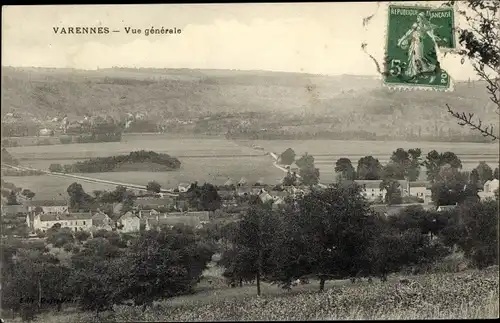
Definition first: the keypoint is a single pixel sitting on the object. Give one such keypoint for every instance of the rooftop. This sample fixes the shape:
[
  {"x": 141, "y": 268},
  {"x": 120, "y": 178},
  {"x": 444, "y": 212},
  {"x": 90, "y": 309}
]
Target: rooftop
[
  {"x": 65, "y": 217},
  {"x": 36, "y": 203}
]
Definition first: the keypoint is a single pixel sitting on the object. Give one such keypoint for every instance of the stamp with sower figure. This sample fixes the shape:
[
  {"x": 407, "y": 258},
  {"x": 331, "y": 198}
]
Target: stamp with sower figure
[{"x": 414, "y": 37}]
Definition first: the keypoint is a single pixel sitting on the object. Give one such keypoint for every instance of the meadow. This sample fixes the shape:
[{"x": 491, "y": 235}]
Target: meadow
[
  {"x": 470, "y": 294},
  {"x": 215, "y": 160}
]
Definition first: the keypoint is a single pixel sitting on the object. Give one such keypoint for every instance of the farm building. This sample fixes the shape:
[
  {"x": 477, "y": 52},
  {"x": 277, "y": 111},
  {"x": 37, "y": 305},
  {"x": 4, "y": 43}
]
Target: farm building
[
  {"x": 74, "y": 221},
  {"x": 47, "y": 206},
  {"x": 183, "y": 187},
  {"x": 129, "y": 222},
  {"x": 9, "y": 210},
  {"x": 155, "y": 203}
]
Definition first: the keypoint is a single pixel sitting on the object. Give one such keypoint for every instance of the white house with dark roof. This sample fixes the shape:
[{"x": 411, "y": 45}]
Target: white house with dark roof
[
  {"x": 446, "y": 208},
  {"x": 48, "y": 206},
  {"x": 183, "y": 187},
  {"x": 371, "y": 189},
  {"x": 101, "y": 220},
  {"x": 243, "y": 181},
  {"x": 243, "y": 190},
  {"x": 171, "y": 219},
  {"x": 129, "y": 222},
  {"x": 74, "y": 221}
]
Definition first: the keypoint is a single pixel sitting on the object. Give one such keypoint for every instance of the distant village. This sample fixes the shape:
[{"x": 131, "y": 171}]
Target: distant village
[{"x": 153, "y": 210}]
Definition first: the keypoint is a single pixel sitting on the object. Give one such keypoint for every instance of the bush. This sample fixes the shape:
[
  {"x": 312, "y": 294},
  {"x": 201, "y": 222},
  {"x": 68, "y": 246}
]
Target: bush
[
  {"x": 43, "y": 142},
  {"x": 68, "y": 247},
  {"x": 56, "y": 168},
  {"x": 66, "y": 139}
]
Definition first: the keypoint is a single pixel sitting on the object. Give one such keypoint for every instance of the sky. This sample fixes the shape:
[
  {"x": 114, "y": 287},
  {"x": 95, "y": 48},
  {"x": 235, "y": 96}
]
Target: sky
[{"x": 318, "y": 38}]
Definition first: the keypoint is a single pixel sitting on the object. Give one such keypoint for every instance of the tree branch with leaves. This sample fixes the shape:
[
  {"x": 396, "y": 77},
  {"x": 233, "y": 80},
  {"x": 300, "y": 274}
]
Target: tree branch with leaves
[{"x": 481, "y": 46}]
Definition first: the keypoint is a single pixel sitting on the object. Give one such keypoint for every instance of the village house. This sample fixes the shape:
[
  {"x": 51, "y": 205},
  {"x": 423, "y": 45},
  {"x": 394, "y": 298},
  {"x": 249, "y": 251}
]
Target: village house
[
  {"x": 491, "y": 186},
  {"x": 446, "y": 208},
  {"x": 256, "y": 190},
  {"x": 48, "y": 206},
  {"x": 74, "y": 221},
  {"x": 11, "y": 210},
  {"x": 371, "y": 189},
  {"x": 243, "y": 190},
  {"x": 154, "y": 203},
  {"x": 101, "y": 220},
  {"x": 420, "y": 189},
  {"x": 293, "y": 168},
  {"x": 243, "y": 182},
  {"x": 281, "y": 194},
  {"x": 193, "y": 219},
  {"x": 129, "y": 222},
  {"x": 183, "y": 187}
]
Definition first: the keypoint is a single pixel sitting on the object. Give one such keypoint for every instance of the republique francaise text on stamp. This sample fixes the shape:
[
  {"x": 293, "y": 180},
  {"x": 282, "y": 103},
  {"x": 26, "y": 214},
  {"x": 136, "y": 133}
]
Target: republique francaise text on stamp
[{"x": 414, "y": 37}]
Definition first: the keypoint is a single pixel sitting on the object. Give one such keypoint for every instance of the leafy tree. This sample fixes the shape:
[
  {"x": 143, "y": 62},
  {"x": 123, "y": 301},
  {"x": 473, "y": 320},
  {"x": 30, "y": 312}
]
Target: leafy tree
[
  {"x": 82, "y": 236},
  {"x": 290, "y": 179},
  {"x": 287, "y": 157},
  {"x": 345, "y": 168},
  {"x": 307, "y": 171},
  {"x": 98, "y": 276},
  {"x": 434, "y": 161},
  {"x": 401, "y": 161},
  {"x": 153, "y": 187},
  {"x": 452, "y": 187},
  {"x": 495, "y": 174},
  {"x": 413, "y": 171},
  {"x": 12, "y": 198},
  {"x": 393, "y": 191},
  {"x": 332, "y": 230},
  {"x": 165, "y": 263},
  {"x": 252, "y": 244},
  {"x": 484, "y": 171},
  {"x": 479, "y": 229},
  {"x": 205, "y": 197},
  {"x": 309, "y": 175},
  {"x": 474, "y": 176},
  {"x": 78, "y": 199},
  {"x": 56, "y": 168},
  {"x": 480, "y": 41},
  {"x": 28, "y": 194},
  {"x": 369, "y": 168},
  {"x": 306, "y": 161},
  {"x": 33, "y": 280},
  {"x": 59, "y": 237}
]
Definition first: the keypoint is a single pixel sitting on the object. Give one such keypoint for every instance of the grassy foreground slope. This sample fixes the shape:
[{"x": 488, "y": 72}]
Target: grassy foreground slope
[
  {"x": 471, "y": 294},
  {"x": 342, "y": 103}
]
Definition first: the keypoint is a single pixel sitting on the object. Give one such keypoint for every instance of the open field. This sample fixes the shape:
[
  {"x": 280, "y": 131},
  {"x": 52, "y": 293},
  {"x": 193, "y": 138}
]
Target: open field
[
  {"x": 215, "y": 160},
  {"x": 161, "y": 144},
  {"x": 213, "y": 170},
  {"x": 471, "y": 294},
  {"x": 51, "y": 188}
]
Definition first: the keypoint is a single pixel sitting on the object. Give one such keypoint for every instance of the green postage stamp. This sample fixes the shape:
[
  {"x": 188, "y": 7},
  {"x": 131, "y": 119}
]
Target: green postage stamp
[{"x": 415, "y": 35}]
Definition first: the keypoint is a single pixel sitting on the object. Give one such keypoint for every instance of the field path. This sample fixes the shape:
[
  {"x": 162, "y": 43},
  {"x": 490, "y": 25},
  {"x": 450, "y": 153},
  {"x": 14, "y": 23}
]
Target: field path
[
  {"x": 275, "y": 164},
  {"x": 92, "y": 180}
]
